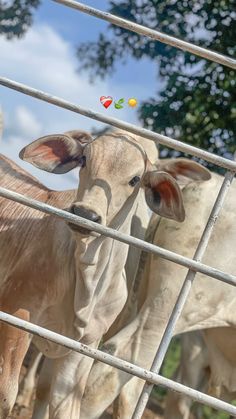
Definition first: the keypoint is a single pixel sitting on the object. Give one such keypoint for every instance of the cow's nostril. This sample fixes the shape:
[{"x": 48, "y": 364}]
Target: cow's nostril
[{"x": 86, "y": 213}]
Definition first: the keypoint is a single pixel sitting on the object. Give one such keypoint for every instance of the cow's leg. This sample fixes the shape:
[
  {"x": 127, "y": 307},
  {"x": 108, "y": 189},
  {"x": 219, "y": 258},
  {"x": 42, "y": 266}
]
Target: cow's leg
[
  {"x": 137, "y": 343},
  {"x": 122, "y": 408},
  {"x": 14, "y": 344},
  {"x": 192, "y": 372},
  {"x": 69, "y": 379},
  {"x": 43, "y": 390},
  {"x": 29, "y": 381}
]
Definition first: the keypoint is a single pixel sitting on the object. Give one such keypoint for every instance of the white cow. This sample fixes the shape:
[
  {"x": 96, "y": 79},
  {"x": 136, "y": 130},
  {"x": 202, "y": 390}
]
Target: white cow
[
  {"x": 60, "y": 276},
  {"x": 139, "y": 225},
  {"x": 210, "y": 305}
]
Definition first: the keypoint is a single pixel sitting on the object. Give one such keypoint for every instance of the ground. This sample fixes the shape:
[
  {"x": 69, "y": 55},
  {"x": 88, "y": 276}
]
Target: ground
[
  {"x": 152, "y": 413},
  {"x": 154, "y": 410},
  {"x": 157, "y": 401}
]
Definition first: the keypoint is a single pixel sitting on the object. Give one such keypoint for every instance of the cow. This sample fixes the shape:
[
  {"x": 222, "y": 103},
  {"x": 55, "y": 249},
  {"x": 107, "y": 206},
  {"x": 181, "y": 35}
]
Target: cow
[
  {"x": 190, "y": 169},
  {"x": 60, "y": 276},
  {"x": 29, "y": 383},
  {"x": 210, "y": 306}
]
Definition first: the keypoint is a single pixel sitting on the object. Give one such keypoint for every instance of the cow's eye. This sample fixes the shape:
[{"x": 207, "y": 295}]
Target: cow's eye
[
  {"x": 134, "y": 181},
  {"x": 82, "y": 161}
]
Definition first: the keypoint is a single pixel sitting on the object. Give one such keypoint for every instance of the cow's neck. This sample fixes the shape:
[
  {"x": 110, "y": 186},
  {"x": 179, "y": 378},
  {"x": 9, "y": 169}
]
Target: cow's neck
[{"x": 100, "y": 291}]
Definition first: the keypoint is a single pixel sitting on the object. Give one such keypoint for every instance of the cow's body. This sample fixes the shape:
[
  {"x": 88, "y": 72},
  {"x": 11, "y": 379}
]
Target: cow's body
[
  {"x": 211, "y": 303},
  {"x": 73, "y": 361}
]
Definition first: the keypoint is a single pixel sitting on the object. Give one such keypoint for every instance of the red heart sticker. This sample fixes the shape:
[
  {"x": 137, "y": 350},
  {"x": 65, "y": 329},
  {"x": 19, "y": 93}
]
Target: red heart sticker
[{"x": 106, "y": 101}]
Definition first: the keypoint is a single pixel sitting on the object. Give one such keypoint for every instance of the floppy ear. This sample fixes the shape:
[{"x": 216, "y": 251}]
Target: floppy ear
[
  {"x": 184, "y": 170},
  {"x": 57, "y": 153},
  {"x": 163, "y": 195}
]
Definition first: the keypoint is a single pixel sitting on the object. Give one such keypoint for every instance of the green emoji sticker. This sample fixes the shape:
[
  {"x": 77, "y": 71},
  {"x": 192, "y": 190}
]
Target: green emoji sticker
[{"x": 118, "y": 104}]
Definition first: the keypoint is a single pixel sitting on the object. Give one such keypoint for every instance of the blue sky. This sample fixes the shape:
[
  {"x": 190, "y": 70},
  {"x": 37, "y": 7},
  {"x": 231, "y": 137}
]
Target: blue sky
[{"x": 45, "y": 58}]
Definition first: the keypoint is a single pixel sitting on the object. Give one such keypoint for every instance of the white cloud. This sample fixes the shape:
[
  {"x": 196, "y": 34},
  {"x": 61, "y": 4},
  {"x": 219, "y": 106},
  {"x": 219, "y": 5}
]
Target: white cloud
[
  {"x": 26, "y": 122},
  {"x": 44, "y": 60}
]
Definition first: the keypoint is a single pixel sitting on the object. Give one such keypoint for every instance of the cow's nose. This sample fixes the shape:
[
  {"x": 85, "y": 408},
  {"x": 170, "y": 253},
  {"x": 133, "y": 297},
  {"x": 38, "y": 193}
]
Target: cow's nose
[{"x": 86, "y": 213}]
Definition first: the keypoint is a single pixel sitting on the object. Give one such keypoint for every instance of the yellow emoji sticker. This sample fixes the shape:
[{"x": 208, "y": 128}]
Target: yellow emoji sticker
[{"x": 132, "y": 102}]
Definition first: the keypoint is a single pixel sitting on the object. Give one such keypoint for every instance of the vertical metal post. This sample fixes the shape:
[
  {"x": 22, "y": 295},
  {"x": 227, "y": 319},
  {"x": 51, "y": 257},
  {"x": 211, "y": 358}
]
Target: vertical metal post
[{"x": 183, "y": 295}]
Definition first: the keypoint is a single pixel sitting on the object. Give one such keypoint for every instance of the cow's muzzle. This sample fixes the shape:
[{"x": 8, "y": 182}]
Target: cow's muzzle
[{"x": 85, "y": 213}]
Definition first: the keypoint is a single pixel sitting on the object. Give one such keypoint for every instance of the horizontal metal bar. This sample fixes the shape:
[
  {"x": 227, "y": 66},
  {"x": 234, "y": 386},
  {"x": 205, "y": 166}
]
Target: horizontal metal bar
[
  {"x": 151, "y": 33},
  {"x": 183, "y": 294},
  {"x": 117, "y": 235},
  {"x": 116, "y": 362},
  {"x": 150, "y": 135}
]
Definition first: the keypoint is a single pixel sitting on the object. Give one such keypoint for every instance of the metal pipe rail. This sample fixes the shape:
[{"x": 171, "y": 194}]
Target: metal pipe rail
[
  {"x": 183, "y": 294},
  {"x": 151, "y": 33},
  {"x": 113, "y": 361},
  {"x": 117, "y": 235},
  {"x": 150, "y": 135}
]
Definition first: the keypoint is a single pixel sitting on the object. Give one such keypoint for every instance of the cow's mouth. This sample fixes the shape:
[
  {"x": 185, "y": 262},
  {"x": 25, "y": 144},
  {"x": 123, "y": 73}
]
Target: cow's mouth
[
  {"x": 87, "y": 214},
  {"x": 81, "y": 230}
]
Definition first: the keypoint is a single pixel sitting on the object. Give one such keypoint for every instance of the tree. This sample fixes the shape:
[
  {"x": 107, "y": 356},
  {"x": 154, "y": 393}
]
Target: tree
[
  {"x": 198, "y": 101},
  {"x": 16, "y": 17}
]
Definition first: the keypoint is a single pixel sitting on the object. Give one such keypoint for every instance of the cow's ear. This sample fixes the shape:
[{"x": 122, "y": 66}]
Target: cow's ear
[
  {"x": 184, "y": 170},
  {"x": 163, "y": 195},
  {"x": 57, "y": 153}
]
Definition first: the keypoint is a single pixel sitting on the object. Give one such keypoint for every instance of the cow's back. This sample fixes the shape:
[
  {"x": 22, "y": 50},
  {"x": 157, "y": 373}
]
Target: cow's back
[
  {"x": 30, "y": 241},
  {"x": 15, "y": 178}
]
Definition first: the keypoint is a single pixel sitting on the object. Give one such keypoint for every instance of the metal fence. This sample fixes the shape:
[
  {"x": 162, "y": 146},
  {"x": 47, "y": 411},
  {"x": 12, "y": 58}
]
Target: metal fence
[{"x": 194, "y": 265}]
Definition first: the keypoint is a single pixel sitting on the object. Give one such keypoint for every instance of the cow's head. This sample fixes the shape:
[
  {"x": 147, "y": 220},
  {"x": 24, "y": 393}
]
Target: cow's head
[{"x": 114, "y": 167}]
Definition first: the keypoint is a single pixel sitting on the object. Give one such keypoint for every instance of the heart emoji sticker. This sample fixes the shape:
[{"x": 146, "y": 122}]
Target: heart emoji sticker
[{"x": 106, "y": 101}]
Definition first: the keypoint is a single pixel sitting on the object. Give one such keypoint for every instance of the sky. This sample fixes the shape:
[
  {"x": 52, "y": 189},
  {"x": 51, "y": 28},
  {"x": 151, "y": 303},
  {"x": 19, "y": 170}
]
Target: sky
[{"x": 45, "y": 59}]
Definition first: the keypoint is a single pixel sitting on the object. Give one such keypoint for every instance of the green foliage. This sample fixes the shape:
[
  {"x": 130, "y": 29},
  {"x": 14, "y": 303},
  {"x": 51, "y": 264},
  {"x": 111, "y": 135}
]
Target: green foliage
[
  {"x": 170, "y": 365},
  {"x": 197, "y": 101},
  {"x": 208, "y": 413},
  {"x": 16, "y": 16}
]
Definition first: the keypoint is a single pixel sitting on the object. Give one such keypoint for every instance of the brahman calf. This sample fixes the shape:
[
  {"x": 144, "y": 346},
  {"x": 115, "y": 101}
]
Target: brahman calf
[{"x": 59, "y": 276}]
